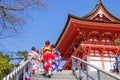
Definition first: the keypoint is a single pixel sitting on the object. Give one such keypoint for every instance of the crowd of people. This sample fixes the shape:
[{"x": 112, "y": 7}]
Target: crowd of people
[{"x": 49, "y": 56}]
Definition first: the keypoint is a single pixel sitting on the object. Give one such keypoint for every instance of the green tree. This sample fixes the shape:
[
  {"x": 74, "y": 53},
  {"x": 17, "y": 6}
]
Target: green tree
[
  {"x": 117, "y": 41},
  {"x": 23, "y": 54},
  {"x": 5, "y": 66}
]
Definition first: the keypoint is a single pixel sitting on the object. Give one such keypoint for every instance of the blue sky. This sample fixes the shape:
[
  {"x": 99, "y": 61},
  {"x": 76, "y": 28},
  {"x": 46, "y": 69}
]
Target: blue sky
[{"x": 47, "y": 24}]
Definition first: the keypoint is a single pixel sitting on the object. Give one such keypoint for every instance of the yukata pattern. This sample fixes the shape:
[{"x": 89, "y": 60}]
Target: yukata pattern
[
  {"x": 56, "y": 62},
  {"x": 35, "y": 62}
]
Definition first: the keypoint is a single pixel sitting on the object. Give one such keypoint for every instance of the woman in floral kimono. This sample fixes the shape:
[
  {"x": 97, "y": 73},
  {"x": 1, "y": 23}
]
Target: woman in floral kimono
[
  {"x": 56, "y": 62},
  {"x": 35, "y": 61},
  {"x": 47, "y": 58}
]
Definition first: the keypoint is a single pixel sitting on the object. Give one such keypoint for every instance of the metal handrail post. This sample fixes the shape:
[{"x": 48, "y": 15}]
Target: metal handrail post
[
  {"x": 87, "y": 71},
  {"x": 80, "y": 70},
  {"x": 98, "y": 74},
  {"x": 73, "y": 66},
  {"x": 16, "y": 78},
  {"x": 24, "y": 73}
]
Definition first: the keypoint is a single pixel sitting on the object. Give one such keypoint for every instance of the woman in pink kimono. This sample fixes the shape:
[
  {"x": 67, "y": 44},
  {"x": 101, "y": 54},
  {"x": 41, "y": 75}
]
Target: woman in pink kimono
[{"x": 35, "y": 61}]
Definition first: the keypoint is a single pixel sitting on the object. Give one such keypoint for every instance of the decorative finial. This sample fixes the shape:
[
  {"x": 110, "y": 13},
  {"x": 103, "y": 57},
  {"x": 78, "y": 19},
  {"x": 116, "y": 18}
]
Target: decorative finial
[{"x": 99, "y": 1}]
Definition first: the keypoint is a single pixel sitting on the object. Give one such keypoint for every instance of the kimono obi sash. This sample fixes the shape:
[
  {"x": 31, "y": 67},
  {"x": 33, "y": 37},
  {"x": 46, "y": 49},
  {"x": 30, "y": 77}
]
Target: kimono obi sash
[{"x": 47, "y": 50}]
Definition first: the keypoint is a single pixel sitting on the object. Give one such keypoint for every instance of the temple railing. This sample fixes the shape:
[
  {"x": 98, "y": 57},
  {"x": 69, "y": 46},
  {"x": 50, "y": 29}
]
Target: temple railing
[
  {"x": 78, "y": 72},
  {"x": 19, "y": 72}
]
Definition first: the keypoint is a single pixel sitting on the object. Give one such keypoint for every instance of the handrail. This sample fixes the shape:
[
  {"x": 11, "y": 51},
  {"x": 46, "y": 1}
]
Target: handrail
[
  {"x": 76, "y": 64},
  {"x": 15, "y": 74}
]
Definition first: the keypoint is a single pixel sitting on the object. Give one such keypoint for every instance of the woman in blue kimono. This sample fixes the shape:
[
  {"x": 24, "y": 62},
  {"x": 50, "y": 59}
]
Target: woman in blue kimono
[{"x": 56, "y": 61}]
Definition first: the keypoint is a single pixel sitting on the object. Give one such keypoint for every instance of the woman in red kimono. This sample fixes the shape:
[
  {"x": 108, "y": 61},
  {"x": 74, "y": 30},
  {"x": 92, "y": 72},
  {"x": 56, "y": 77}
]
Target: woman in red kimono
[{"x": 47, "y": 57}]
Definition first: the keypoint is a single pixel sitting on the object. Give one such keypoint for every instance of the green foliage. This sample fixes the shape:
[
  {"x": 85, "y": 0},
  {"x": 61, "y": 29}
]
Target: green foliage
[
  {"x": 5, "y": 66},
  {"x": 23, "y": 54},
  {"x": 117, "y": 41}
]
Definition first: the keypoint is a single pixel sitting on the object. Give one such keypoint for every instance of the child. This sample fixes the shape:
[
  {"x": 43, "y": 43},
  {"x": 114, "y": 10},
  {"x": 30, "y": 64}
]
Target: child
[{"x": 27, "y": 75}]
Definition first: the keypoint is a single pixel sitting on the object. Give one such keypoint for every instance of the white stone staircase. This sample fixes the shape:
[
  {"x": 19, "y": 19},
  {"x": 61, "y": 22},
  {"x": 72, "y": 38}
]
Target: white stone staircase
[{"x": 67, "y": 75}]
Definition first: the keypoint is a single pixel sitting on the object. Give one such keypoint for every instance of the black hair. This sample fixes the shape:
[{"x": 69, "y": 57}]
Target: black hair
[
  {"x": 53, "y": 45},
  {"x": 33, "y": 48},
  {"x": 47, "y": 42}
]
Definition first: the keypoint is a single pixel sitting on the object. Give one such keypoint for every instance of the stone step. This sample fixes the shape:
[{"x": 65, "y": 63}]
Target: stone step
[{"x": 64, "y": 75}]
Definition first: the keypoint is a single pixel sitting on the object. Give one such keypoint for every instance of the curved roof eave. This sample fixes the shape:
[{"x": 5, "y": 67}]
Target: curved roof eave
[
  {"x": 91, "y": 12},
  {"x": 96, "y": 8},
  {"x": 68, "y": 19}
]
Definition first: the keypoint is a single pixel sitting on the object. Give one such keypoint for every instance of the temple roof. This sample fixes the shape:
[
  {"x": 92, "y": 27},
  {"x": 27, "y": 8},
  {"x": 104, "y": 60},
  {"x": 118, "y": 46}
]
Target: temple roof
[
  {"x": 107, "y": 21},
  {"x": 100, "y": 9},
  {"x": 71, "y": 17}
]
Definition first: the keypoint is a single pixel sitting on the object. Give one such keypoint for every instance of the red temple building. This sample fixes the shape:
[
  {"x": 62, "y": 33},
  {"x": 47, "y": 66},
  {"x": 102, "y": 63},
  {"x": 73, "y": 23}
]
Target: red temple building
[{"x": 91, "y": 38}]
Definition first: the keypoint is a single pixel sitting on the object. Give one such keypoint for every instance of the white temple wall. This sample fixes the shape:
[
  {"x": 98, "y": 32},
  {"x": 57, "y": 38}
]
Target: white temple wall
[{"x": 97, "y": 61}]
